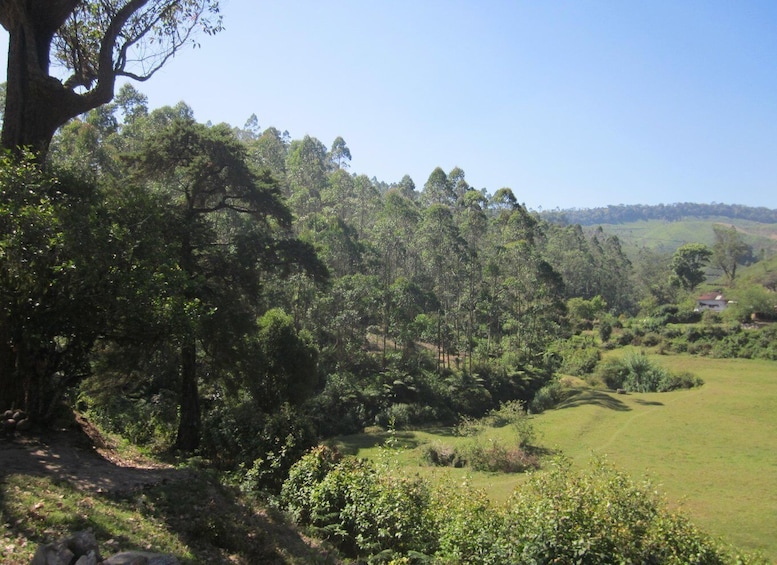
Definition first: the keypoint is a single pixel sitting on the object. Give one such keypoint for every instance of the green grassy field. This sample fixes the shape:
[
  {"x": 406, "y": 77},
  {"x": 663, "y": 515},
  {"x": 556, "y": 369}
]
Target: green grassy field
[{"x": 712, "y": 450}]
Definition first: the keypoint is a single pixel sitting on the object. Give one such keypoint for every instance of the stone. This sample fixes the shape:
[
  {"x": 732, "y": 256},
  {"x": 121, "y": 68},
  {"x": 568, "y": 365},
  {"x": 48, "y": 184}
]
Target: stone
[
  {"x": 23, "y": 425},
  {"x": 82, "y": 544},
  {"x": 90, "y": 558},
  {"x": 141, "y": 558},
  {"x": 53, "y": 554}
]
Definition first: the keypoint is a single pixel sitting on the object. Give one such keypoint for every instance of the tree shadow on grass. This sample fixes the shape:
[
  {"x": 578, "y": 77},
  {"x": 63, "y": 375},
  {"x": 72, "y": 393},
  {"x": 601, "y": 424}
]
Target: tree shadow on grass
[
  {"x": 648, "y": 402},
  {"x": 595, "y": 398},
  {"x": 351, "y": 445}
]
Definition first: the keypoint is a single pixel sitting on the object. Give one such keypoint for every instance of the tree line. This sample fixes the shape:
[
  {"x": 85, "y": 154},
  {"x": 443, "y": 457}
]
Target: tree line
[{"x": 622, "y": 213}]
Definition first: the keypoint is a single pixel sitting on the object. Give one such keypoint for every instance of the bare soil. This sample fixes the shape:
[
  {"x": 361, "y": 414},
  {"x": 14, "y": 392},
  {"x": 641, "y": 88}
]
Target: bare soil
[{"x": 80, "y": 455}]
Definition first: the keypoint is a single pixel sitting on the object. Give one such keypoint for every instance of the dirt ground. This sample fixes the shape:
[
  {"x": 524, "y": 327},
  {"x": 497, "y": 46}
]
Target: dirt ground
[{"x": 80, "y": 455}]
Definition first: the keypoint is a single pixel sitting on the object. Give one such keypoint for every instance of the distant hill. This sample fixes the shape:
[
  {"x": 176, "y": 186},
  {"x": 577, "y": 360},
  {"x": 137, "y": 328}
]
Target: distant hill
[
  {"x": 664, "y": 228},
  {"x": 621, "y": 213}
]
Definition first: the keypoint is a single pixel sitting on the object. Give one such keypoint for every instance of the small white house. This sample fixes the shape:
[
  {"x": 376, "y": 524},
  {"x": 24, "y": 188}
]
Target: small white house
[{"x": 714, "y": 302}]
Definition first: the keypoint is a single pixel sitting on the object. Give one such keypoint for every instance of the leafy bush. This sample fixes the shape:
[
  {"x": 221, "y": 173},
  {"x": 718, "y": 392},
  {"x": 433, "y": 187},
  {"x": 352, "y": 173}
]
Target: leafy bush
[
  {"x": 613, "y": 373},
  {"x": 625, "y": 337},
  {"x": 441, "y": 455},
  {"x": 496, "y": 457},
  {"x": 599, "y": 516},
  {"x": 361, "y": 507},
  {"x": 276, "y": 442},
  {"x": 672, "y": 381},
  {"x": 547, "y": 397}
]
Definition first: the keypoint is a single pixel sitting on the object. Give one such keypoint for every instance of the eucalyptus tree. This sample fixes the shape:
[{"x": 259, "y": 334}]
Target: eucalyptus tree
[
  {"x": 269, "y": 151},
  {"x": 527, "y": 295},
  {"x": 94, "y": 43},
  {"x": 393, "y": 235},
  {"x": 339, "y": 156},
  {"x": 306, "y": 172},
  {"x": 438, "y": 189},
  {"x": 443, "y": 250}
]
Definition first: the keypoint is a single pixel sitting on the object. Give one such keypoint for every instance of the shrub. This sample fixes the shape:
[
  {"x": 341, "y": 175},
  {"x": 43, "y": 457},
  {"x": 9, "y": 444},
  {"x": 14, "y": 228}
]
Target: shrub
[
  {"x": 625, "y": 337},
  {"x": 284, "y": 437},
  {"x": 651, "y": 339},
  {"x": 605, "y": 330},
  {"x": 672, "y": 381},
  {"x": 361, "y": 507},
  {"x": 494, "y": 456},
  {"x": 612, "y": 372},
  {"x": 599, "y": 516},
  {"x": 441, "y": 455},
  {"x": 641, "y": 374},
  {"x": 547, "y": 397}
]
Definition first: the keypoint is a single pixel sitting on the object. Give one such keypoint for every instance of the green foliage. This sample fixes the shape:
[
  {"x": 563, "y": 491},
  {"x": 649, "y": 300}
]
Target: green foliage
[
  {"x": 266, "y": 445},
  {"x": 637, "y": 373},
  {"x": 547, "y": 397},
  {"x": 495, "y": 456},
  {"x": 597, "y": 515},
  {"x": 362, "y": 508},
  {"x": 580, "y": 355}
]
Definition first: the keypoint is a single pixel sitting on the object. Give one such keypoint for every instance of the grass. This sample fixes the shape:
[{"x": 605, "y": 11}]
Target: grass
[
  {"x": 196, "y": 519},
  {"x": 711, "y": 450}
]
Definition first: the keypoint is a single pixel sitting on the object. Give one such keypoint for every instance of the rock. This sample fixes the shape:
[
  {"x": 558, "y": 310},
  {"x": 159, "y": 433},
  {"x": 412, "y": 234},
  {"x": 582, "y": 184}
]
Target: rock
[
  {"x": 141, "y": 558},
  {"x": 81, "y": 549},
  {"x": 9, "y": 425},
  {"x": 90, "y": 558},
  {"x": 83, "y": 544},
  {"x": 8, "y": 415},
  {"x": 23, "y": 425},
  {"x": 19, "y": 415},
  {"x": 53, "y": 554}
]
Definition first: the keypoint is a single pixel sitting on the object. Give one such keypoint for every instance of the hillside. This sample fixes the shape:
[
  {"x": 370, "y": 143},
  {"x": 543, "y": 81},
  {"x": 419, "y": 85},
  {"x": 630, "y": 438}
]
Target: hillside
[
  {"x": 621, "y": 213},
  {"x": 664, "y": 228}
]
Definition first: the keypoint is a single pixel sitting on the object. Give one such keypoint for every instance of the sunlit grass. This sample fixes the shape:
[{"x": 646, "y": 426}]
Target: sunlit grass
[{"x": 712, "y": 450}]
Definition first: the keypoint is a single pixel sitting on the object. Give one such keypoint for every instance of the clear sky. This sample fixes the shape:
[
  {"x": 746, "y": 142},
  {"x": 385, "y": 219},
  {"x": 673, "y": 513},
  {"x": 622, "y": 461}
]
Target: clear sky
[{"x": 569, "y": 103}]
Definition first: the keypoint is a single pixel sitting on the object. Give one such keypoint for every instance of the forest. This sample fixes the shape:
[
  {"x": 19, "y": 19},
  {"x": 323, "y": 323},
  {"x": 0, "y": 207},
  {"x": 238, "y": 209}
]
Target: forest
[
  {"x": 237, "y": 294},
  {"x": 234, "y": 296}
]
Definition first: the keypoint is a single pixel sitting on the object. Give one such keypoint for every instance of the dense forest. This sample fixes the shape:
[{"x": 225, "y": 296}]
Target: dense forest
[
  {"x": 231, "y": 298},
  {"x": 622, "y": 213},
  {"x": 187, "y": 280}
]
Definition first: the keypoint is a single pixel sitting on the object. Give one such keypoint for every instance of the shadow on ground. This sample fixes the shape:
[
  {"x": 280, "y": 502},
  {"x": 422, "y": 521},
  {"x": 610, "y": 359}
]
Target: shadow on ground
[
  {"x": 351, "y": 445},
  {"x": 595, "y": 398}
]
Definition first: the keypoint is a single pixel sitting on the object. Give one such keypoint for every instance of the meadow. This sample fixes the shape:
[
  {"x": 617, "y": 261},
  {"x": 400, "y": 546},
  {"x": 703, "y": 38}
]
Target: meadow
[{"x": 712, "y": 450}]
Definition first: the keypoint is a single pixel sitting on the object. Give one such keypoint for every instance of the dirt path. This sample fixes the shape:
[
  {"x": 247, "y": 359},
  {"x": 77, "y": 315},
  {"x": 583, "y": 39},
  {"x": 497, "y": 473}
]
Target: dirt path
[{"x": 81, "y": 457}]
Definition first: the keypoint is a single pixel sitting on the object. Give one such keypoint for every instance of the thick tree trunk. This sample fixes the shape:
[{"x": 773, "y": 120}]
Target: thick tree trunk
[
  {"x": 37, "y": 103},
  {"x": 190, "y": 423}
]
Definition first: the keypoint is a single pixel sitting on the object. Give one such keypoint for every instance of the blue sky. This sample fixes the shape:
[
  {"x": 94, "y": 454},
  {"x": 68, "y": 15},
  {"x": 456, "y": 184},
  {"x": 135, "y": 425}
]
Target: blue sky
[{"x": 570, "y": 104}]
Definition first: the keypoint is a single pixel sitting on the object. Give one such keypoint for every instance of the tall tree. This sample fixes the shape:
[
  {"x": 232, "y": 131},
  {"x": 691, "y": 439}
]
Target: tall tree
[
  {"x": 95, "y": 42},
  {"x": 339, "y": 155},
  {"x": 688, "y": 264},
  {"x": 225, "y": 216},
  {"x": 729, "y": 250}
]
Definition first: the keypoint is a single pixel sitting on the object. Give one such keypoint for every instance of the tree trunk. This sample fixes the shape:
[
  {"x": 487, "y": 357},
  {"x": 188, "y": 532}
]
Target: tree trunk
[
  {"x": 190, "y": 423},
  {"x": 37, "y": 103}
]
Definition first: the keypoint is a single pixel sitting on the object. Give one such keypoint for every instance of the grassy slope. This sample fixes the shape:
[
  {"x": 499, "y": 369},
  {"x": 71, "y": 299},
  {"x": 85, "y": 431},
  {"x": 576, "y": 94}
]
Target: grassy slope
[
  {"x": 668, "y": 236},
  {"x": 194, "y": 518},
  {"x": 712, "y": 450}
]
